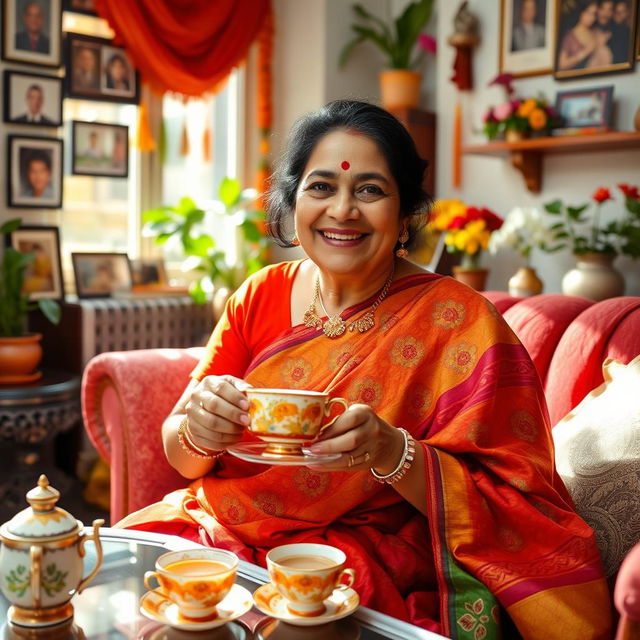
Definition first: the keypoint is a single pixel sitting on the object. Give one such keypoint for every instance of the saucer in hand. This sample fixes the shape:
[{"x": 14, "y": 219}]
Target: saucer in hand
[
  {"x": 157, "y": 607},
  {"x": 341, "y": 603}
]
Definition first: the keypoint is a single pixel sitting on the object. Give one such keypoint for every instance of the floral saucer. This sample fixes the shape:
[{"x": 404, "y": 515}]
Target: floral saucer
[
  {"x": 257, "y": 452},
  {"x": 157, "y": 607},
  {"x": 339, "y": 604}
]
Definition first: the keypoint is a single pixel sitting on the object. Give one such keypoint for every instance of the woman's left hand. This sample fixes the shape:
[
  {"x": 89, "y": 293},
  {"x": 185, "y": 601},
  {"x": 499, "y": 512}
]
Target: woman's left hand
[{"x": 363, "y": 439}]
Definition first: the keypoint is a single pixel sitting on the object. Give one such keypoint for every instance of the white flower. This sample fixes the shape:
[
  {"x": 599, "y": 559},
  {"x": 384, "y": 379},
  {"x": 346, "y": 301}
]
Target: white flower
[{"x": 524, "y": 228}]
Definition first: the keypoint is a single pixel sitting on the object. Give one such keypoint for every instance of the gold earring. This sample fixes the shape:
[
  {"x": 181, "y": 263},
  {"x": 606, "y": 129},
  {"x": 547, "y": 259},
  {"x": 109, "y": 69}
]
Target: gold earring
[
  {"x": 295, "y": 242},
  {"x": 402, "y": 251}
]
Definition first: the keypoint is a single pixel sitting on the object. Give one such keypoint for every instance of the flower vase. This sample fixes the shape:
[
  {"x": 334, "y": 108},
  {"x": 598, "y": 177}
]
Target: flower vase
[
  {"x": 594, "y": 277},
  {"x": 525, "y": 282},
  {"x": 476, "y": 278},
  {"x": 513, "y": 135}
]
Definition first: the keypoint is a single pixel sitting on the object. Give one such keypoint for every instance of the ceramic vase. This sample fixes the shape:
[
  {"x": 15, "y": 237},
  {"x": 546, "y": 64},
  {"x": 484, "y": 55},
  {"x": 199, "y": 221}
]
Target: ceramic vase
[
  {"x": 474, "y": 278},
  {"x": 594, "y": 277},
  {"x": 525, "y": 282},
  {"x": 400, "y": 89},
  {"x": 513, "y": 135}
]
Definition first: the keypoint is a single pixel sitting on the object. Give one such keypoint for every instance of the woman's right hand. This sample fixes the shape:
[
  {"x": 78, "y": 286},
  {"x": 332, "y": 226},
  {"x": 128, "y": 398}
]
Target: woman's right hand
[{"x": 217, "y": 412}]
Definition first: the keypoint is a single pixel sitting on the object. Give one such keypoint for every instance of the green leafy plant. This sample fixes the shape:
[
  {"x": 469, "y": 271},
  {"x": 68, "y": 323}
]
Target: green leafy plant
[
  {"x": 186, "y": 223},
  {"x": 585, "y": 234},
  {"x": 396, "y": 42},
  {"x": 14, "y": 303}
]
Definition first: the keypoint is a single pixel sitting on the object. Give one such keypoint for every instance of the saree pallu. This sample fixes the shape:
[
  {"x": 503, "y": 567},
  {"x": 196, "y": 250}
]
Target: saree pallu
[{"x": 500, "y": 531}]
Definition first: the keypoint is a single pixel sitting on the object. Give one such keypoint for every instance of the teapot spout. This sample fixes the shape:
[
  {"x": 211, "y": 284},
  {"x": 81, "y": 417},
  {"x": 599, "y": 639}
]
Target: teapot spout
[{"x": 95, "y": 537}]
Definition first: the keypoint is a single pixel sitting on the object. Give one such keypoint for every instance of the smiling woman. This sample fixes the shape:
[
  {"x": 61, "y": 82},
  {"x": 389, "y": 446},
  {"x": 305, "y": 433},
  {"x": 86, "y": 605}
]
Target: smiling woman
[{"x": 438, "y": 481}]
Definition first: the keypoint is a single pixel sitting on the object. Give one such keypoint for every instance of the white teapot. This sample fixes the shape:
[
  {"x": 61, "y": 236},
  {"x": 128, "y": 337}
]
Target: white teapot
[{"x": 41, "y": 562}]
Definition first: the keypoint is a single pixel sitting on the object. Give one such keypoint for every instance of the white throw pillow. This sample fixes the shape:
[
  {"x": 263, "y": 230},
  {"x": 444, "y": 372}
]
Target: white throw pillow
[{"x": 598, "y": 456}]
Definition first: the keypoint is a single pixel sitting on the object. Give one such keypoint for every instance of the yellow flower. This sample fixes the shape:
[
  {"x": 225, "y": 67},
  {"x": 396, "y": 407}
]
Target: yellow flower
[
  {"x": 538, "y": 119},
  {"x": 526, "y": 107},
  {"x": 444, "y": 211}
]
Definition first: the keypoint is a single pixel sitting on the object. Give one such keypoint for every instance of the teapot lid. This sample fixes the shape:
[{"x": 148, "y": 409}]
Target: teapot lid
[{"x": 42, "y": 519}]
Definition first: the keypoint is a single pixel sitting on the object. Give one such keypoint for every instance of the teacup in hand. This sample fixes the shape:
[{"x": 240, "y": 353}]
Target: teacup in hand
[
  {"x": 286, "y": 419},
  {"x": 306, "y": 574},
  {"x": 196, "y": 580}
]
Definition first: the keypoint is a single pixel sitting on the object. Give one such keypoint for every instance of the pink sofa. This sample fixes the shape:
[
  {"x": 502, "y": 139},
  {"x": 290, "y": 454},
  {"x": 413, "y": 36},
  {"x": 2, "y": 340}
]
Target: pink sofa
[{"x": 126, "y": 395}]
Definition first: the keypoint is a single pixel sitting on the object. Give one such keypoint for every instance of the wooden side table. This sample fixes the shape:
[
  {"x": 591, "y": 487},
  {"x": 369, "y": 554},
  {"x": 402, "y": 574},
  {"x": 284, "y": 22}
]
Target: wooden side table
[{"x": 31, "y": 416}]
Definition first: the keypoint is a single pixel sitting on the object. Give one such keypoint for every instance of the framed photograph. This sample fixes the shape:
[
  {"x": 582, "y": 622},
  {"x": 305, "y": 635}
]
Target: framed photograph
[
  {"x": 34, "y": 169},
  {"x": 583, "y": 108},
  {"x": 595, "y": 37},
  {"x": 148, "y": 272},
  {"x": 100, "y": 149},
  {"x": 98, "y": 70},
  {"x": 101, "y": 275},
  {"x": 43, "y": 277},
  {"x": 87, "y": 7},
  {"x": 31, "y": 31},
  {"x": 33, "y": 99},
  {"x": 527, "y": 37}
]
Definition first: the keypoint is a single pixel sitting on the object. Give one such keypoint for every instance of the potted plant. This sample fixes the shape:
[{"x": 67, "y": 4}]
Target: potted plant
[
  {"x": 467, "y": 231},
  {"x": 400, "y": 84},
  {"x": 186, "y": 223},
  {"x": 20, "y": 351},
  {"x": 596, "y": 242}
]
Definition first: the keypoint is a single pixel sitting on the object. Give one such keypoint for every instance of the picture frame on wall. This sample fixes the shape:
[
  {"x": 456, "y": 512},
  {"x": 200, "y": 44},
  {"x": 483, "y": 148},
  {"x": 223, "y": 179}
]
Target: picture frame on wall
[
  {"x": 527, "y": 37},
  {"x": 595, "y": 38},
  {"x": 88, "y": 7},
  {"x": 585, "y": 108},
  {"x": 34, "y": 172},
  {"x": 100, "y": 149},
  {"x": 32, "y": 31},
  {"x": 99, "y": 70},
  {"x": 43, "y": 276},
  {"x": 101, "y": 275},
  {"x": 32, "y": 99}
]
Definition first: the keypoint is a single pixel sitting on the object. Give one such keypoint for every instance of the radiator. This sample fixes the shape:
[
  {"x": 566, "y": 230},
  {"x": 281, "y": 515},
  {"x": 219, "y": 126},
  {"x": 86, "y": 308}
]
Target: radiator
[{"x": 115, "y": 324}]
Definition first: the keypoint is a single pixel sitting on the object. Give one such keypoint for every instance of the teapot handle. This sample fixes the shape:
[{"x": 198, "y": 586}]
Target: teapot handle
[
  {"x": 96, "y": 541},
  {"x": 36, "y": 573}
]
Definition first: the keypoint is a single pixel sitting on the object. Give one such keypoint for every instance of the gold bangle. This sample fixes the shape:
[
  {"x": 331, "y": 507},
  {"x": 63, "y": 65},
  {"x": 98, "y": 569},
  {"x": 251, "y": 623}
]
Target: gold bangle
[
  {"x": 406, "y": 460},
  {"x": 187, "y": 444}
]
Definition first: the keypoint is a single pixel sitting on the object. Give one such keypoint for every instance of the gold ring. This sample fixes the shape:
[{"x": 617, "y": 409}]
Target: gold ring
[{"x": 351, "y": 461}]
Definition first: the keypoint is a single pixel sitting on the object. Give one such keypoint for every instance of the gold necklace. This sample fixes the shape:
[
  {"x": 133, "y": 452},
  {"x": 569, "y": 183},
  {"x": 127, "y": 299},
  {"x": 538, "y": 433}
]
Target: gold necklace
[{"x": 335, "y": 326}]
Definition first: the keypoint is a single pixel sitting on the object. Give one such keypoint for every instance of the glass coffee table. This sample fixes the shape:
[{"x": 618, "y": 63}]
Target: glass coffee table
[{"x": 108, "y": 609}]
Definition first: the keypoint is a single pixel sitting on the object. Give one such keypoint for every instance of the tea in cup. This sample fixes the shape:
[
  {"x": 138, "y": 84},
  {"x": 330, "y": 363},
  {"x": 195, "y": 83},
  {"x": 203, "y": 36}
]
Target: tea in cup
[
  {"x": 196, "y": 580},
  {"x": 286, "y": 419},
  {"x": 306, "y": 574}
]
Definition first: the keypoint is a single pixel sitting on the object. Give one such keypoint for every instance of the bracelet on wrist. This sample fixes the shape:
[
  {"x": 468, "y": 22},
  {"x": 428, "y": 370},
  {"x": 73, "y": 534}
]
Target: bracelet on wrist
[
  {"x": 406, "y": 460},
  {"x": 188, "y": 445}
]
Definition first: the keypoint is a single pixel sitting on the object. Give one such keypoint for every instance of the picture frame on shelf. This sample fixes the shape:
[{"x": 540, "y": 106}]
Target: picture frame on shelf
[
  {"x": 34, "y": 172},
  {"x": 87, "y": 7},
  {"x": 101, "y": 275},
  {"x": 527, "y": 37},
  {"x": 148, "y": 272},
  {"x": 43, "y": 277},
  {"x": 32, "y": 99},
  {"x": 32, "y": 32},
  {"x": 96, "y": 69},
  {"x": 589, "y": 108},
  {"x": 99, "y": 149},
  {"x": 612, "y": 45}
]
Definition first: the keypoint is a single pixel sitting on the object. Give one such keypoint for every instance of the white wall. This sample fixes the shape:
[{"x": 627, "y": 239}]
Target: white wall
[{"x": 493, "y": 182}]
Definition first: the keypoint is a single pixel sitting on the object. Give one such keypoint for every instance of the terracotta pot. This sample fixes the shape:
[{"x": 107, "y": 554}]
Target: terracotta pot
[
  {"x": 525, "y": 282},
  {"x": 594, "y": 277},
  {"x": 400, "y": 88},
  {"x": 19, "y": 357},
  {"x": 474, "y": 278}
]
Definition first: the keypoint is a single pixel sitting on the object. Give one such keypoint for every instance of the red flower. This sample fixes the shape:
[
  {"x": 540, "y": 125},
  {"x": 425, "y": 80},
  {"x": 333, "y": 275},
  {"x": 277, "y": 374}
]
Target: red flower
[
  {"x": 493, "y": 221},
  {"x": 473, "y": 213},
  {"x": 602, "y": 195},
  {"x": 457, "y": 223},
  {"x": 629, "y": 191}
]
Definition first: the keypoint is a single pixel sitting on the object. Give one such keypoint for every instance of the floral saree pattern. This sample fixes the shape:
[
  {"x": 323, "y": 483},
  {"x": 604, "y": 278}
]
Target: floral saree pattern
[{"x": 500, "y": 535}]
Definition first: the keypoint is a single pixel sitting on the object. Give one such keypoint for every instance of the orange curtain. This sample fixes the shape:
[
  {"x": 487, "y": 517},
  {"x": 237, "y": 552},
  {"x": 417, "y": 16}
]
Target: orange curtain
[{"x": 185, "y": 46}]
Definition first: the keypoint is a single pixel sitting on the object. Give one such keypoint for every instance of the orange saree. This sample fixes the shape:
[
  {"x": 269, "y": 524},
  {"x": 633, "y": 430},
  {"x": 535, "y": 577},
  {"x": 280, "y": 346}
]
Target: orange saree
[{"x": 500, "y": 533}]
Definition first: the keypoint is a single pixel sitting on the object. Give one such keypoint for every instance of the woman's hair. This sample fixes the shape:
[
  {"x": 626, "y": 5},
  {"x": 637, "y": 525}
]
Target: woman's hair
[
  {"x": 116, "y": 57},
  {"x": 379, "y": 125}
]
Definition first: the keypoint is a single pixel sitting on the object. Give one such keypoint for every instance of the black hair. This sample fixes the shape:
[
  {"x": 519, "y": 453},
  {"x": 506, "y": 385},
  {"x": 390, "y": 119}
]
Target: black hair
[
  {"x": 38, "y": 156},
  {"x": 117, "y": 57},
  {"x": 393, "y": 140}
]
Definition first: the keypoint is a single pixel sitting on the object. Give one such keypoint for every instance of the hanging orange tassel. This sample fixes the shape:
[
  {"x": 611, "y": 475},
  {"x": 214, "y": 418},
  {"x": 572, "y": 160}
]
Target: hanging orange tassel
[
  {"x": 184, "y": 139},
  {"x": 264, "y": 102},
  {"x": 456, "y": 172},
  {"x": 144, "y": 138},
  {"x": 206, "y": 142}
]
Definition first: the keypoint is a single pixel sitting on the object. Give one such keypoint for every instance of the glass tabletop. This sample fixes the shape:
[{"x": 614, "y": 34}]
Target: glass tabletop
[{"x": 108, "y": 609}]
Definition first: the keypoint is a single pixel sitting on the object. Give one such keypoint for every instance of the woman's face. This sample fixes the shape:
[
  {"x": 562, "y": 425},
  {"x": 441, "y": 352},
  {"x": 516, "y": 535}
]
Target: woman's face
[
  {"x": 588, "y": 15},
  {"x": 118, "y": 70},
  {"x": 347, "y": 212}
]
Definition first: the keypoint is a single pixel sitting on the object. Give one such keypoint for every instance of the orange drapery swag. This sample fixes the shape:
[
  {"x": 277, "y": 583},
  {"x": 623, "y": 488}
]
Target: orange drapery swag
[{"x": 185, "y": 46}]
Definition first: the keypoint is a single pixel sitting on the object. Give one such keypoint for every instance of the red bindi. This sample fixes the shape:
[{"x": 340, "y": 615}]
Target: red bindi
[{"x": 345, "y": 165}]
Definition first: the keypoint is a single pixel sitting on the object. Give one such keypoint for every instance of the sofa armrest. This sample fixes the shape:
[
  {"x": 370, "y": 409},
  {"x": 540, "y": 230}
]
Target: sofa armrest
[{"x": 126, "y": 395}]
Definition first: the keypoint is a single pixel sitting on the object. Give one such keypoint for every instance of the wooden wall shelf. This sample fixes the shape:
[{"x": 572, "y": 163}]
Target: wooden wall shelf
[{"x": 526, "y": 155}]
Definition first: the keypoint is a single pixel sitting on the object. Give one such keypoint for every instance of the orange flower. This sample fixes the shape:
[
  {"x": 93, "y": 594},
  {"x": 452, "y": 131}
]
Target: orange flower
[
  {"x": 538, "y": 119},
  {"x": 527, "y": 107},
  {"x": 312, "y": 412},
  {"x": 283, "y": 410}
]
